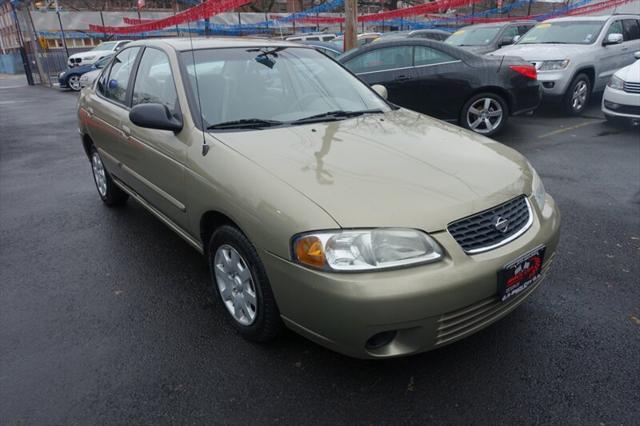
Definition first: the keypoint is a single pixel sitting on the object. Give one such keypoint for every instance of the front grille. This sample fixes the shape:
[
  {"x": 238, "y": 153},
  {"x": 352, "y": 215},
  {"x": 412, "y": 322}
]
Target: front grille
[
  {"x": 462, "y": 322},
  {"x": 631, "y": 87},
  {"x": 479, "y": 232}
]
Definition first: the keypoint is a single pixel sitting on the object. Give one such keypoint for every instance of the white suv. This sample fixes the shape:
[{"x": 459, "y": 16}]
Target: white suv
[
  {"x": 97, "y": 53},
  {"x": 576, "y": 56}
]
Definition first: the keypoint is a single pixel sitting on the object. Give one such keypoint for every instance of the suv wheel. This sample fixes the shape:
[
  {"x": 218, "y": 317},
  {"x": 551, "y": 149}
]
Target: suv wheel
[
  {"x": 485, "y": 113},
  {"x": 578, "y": 95},
  {"x": 240, "y": 280},
  {"x": 109, "y": 192}
]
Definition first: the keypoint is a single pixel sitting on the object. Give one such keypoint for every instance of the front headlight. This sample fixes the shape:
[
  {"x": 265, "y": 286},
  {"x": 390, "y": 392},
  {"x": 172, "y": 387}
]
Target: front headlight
[
  {"x": 537, "y": 188},
  {"x": 553, "y": 65},
  {"x": 366, "y": 249},
  {"x": 616, "y": 83}
]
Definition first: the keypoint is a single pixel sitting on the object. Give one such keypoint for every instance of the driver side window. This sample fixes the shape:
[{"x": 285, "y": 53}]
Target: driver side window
[
  {"x": 154, "y": 81},
  {"x": 615, "y": 28}
]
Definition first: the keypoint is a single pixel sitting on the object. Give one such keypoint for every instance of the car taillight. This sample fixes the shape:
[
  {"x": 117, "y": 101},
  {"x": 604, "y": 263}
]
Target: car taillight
[{"x": 526, "y": 70}]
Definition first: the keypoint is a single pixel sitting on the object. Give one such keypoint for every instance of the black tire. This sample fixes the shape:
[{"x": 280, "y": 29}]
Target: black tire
[
  {"x": 467, "y": 116},
  {"x": 575, "y": 106},
  {"x": 108, "y": 191},
  {"x": 267, "y": 324}
]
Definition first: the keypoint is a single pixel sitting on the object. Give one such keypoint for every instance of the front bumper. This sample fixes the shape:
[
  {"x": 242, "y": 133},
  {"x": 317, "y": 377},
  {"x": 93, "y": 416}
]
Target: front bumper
[
  {"x": 554, "y": 83},
  {"x": 429, "y": 306},
  {"x": 619, "y": 103}
]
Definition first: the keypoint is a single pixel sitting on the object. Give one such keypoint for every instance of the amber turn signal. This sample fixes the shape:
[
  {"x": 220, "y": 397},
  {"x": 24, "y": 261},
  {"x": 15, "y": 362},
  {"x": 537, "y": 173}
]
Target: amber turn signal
[{"x": 309, "y": 251}]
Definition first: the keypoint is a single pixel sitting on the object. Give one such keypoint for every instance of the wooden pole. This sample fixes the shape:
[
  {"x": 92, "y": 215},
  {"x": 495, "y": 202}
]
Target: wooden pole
[{"x": 351, "y": 24}]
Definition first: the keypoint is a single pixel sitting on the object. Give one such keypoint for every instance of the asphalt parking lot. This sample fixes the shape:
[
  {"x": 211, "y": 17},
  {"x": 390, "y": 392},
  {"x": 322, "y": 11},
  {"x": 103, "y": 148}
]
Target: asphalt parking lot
[{"x": 105, "y": 315}]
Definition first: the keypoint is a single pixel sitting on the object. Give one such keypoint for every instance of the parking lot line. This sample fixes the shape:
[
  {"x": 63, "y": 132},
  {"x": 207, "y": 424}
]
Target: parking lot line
[{"x": 566, "y": 129}]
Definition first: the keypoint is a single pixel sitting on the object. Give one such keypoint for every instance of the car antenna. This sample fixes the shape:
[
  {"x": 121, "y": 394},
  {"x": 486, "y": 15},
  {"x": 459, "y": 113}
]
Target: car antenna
[{"x": 205, "y": 147}]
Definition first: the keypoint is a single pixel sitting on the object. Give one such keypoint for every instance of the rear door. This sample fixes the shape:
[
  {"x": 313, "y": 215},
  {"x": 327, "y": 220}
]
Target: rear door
[
  {"x": 390, "y": 66},
  {"x": 108, "y": 108},
  {"x": 443, "y": 83},
  {"x": 158, "y": 156}
]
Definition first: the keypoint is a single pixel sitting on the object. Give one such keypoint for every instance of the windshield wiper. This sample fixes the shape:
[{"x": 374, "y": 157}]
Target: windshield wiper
[
  {"x": 335, "y": 115},
  {"x": 245, "y": 123}
]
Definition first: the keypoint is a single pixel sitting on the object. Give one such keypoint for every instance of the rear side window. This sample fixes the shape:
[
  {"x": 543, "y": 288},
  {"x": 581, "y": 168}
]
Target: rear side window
[
  {"x": 631, "y": 29},
  {"x": 154, "y": 81},
  {"x": 382, "y": 59},
  {"x": 117, "y": 82},
  {"x": 427, "y": 56}
]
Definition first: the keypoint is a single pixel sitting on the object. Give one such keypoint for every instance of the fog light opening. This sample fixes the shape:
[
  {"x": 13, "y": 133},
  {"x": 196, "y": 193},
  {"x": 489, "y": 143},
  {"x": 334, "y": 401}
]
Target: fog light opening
[
  {"x": 381, "y": 339},
  {"x": 548, "y": 84}
]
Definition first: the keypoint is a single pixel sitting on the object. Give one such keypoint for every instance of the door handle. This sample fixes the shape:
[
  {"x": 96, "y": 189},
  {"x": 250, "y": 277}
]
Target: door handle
[
  {"x": 126, "y": 130},
  {"x": 402, "y": 78}
]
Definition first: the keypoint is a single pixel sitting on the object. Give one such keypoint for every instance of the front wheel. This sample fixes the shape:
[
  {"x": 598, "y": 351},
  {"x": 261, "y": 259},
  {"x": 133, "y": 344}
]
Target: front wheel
[
  {"x": 485, "y": 113},
  {"x": 241, "y": 281},
  {"x": 74, "y": 83},
  {"x": 578, "y": 95}
]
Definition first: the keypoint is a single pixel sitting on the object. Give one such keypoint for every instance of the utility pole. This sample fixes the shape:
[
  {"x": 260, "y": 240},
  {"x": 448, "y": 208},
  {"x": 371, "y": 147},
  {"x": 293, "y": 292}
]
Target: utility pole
[
  {"x": 33, "y": 36},
  {"x": 64, "y": 40},
  {"x": 351, "y": 24}
]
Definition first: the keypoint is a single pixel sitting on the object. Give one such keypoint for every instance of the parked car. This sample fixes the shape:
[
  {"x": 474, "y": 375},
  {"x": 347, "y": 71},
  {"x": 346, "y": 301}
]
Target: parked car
[
  {"x": 621, "y": 99},
  {"x": 430, "y": 34},
  {"x": 447, "y": 82},
  {"x": 330, "y": 49},
  {"x": 312, "y": 37},
  {"x": 363, "y": 39},
  {"x": 88, "y": 78},
  {"x": 97, "y": 53},
  {"x": 485, "y": 38},
  {"x": 71, "y": 78},
  {"x": 373, "y": 230},
  {"x": 576, "y": 56}
]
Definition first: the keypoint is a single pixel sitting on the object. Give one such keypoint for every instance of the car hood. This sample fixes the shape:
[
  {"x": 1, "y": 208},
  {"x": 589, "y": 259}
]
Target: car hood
[
  {"x": 96, "y": 53},
  {"x": 630, "y": 73},
  {"x": 479, "y": 50},
  {"x": 402, "y": 169},
  {"x": 543, "y": 52}
]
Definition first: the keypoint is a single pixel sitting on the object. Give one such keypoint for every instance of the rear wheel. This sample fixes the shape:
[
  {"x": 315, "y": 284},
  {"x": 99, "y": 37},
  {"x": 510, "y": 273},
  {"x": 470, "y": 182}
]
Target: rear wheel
[
  {"x": 485, "y": 113},
  {"x": 109, "y": 192},
  {"x": 577, "y": 97},
  {"x": 241, "y": 282}
]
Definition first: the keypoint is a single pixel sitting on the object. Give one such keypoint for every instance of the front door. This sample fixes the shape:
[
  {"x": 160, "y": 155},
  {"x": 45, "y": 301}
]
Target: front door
[{"x": 158, "y": 156}]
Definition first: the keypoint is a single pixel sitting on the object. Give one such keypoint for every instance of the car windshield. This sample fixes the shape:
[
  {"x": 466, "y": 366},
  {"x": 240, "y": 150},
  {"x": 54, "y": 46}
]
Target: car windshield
[
  {"x": 110, "y": 45},
  {"x": 102, "y": 62},
  {"x": 263, "y": 85},
  {"x": 478, "y": 36},
  {"x": 563, "y": 32}
]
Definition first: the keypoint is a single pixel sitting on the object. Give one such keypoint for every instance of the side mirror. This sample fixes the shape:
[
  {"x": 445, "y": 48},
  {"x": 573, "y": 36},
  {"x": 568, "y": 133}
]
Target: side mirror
[
  {"x": 380, "y": 90},
  {"x": 155, "y": 116},
  {"x": 637, "y": 55},
  {"x": 613, "y": 38},
  {"x": 506, "y": 41},
  {"x": 516, "y": 38}
]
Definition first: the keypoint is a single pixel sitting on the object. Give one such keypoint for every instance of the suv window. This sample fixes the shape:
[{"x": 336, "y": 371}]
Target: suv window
[
  {"x": 510, "y": 32},
  {"x": 154, "y": 81},
  {"x": 428, "y": 56},
  {"x": 115, "y": 84},
  {"x": 615, "y": 28},
  {"x": 382, "y": 59},
  {"x": 631, "y": 29}
]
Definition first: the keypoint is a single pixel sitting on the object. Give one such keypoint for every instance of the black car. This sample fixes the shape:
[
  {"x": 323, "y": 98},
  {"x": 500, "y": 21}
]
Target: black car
[
  {"x": 448, "y": 82},
  {"x": 485, "y": 38},
  {"x": 430, "y": 34},
  {"x": 70, "y": 78}
]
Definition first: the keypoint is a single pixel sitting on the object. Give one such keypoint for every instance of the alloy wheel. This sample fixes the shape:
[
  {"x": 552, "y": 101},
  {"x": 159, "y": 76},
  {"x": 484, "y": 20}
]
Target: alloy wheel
[
  {"x": 99, "y": 174},
  {"x": 579, "y": 96},
  {"x": 235, "y": 284},
  {"x": 485, "y": 115},
  {"x": 74, "y": 82}
]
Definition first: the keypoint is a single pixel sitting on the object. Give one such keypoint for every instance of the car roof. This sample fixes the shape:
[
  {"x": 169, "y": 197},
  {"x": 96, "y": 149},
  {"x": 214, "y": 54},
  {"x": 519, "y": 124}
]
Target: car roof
[
  {"x": 399, "y": 41},
  {"x": 323, "y": 44},
  {"x": 186, "y": 43},
  {"x": 591, "y": 18}
]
